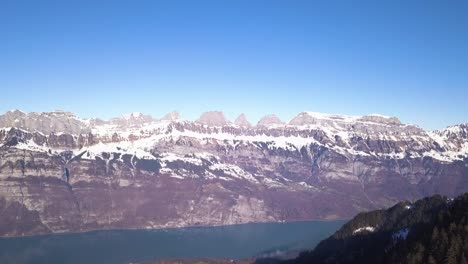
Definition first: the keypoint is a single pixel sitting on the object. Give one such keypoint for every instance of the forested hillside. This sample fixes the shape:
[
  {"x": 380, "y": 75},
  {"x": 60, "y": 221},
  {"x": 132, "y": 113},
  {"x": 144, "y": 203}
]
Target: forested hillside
[{"x": 431, "y": 230}]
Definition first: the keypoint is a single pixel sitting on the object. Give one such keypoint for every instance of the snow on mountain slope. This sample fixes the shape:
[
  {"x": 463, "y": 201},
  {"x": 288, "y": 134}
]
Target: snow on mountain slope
[
  {"x": 136, "y": 171},
  {"x": 347, "y": 135}
]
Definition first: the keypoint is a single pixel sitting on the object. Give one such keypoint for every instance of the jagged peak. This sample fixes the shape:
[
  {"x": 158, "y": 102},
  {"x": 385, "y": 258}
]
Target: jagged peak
[
  {"x": 133, "y": 118},
  {"x": 55, "y": 113},
  {"x": 213, "y": 118},
  {"x": 311, "y": 118},
  {"x": 12, "y": 115},
  {"x": 133, "y": 115},
  {"x": 242, "y": 121},
  {"x": 34, "y": 116},
  {"x": 270, "y": 120},
  {"x": 172, "y": 116},
  {"x": 16, "y": 111},
  {"x": 32, "y": 121},
  {"x": 460, "y": 130},
  {"x": 390, "y": 120}
]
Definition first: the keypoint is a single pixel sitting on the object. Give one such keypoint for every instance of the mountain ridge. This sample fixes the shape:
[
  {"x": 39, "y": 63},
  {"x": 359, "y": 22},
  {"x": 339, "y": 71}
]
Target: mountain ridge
[
  {"x": 138, "y": 172},
  {"x": 19, "y": 113}
]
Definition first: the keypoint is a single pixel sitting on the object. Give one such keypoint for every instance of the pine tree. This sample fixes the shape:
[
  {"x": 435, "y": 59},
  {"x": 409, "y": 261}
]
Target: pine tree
[
  {"x": 465, "y": 242},
  {"x": 463, "y": 259},
  {"x": 452, "y": 254},
  {"x": 431, "y": 260},
  {"x": 435, "y": 234}
]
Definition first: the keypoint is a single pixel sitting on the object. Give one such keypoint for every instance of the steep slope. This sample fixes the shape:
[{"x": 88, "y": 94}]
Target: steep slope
[
  {"x": 269, "y": 120},
  {"x": 138, "y": 172},
  {"x": 242, "y": 121},
  {"x": 172, "y": 116},
  {"x": 431, "y": 230},
  {"x": 213, "y": 118}
]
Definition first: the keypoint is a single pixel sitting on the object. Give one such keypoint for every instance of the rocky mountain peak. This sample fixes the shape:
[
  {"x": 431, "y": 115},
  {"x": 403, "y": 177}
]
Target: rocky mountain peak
[
  {"x": 301, "y": 119},
  {"x": 135, "y": 118},
  {"x": 15, "y": 112},
  {"x": 133, "y": 115},
  {"x": 456, "y": 135},
  {"x": 380, "y": 119},
  {"x": 213, "y": 118},
  {"x": 11, "y": 118},
  {"x": 172, "y": 116},
  {"x": 334, "y": 120},
  {"x": 270, "y": 120},
  {"x": 242, "y": 121},
  {"x": 45, "y": 122}
]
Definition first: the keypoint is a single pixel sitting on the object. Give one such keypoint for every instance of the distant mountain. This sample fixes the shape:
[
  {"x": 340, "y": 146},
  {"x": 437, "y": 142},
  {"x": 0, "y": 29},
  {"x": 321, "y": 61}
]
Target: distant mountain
[
  {"x": 213, "y": 118},
  {"x": 242, "y": 121},
  {"x": 270, "y": 120},
  {"x": 431, "y": 230},
  {"x": 172, "y": 116},
  {"x": 131, "y": 119},
  {"x": 62, "y": 173}
]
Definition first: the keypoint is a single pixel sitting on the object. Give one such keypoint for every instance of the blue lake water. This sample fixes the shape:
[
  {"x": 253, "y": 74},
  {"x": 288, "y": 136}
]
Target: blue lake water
[{"x": 125, "y": 246}]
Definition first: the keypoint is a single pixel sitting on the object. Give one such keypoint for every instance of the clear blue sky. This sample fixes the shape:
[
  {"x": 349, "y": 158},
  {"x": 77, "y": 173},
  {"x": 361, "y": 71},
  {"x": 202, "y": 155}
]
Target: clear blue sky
[{"x": 400, "y": 58}]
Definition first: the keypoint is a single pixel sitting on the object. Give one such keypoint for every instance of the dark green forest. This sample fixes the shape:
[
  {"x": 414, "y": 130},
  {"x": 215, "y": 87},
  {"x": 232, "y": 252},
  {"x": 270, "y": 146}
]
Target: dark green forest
[{"x": 430, "y": 230}]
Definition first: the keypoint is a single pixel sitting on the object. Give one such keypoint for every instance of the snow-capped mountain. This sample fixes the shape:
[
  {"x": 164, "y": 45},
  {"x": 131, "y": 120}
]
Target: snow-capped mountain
[{"x": 60, "y": 173}]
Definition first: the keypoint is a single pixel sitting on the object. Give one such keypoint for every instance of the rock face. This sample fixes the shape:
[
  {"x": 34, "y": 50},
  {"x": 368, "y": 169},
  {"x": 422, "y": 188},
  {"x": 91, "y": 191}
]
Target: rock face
[
  {"x": 172, "y": 116},
  {"x": 51, "y": 122},
  {"x": 270, "y": 120},
  {"x": 132, "y": 119},
  {"x": 242, "y": 121},
  {"x": 213, "y": 118},
  {"x": 143, "y": 173}
]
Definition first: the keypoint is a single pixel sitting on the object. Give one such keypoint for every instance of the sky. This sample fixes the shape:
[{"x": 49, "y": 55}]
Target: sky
[{"x": 106, "y": 58}]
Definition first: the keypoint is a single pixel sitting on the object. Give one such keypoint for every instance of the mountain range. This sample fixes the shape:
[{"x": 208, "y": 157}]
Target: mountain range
[{"x": 62, "y": 173}]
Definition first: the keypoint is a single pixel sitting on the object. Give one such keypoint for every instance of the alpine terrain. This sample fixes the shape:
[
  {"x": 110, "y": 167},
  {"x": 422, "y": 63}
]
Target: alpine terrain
[{"x": 61, "y": 173}]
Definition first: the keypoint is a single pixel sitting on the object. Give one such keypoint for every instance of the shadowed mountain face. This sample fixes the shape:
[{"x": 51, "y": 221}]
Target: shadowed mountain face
[
  {"x": 60, "y": 173},
  {"x": 431, "y": 230}
]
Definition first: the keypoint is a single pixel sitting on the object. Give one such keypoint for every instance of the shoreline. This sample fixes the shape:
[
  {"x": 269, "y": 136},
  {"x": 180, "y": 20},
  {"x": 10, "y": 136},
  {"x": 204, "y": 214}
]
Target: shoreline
[{"x": 166, "y": 228}]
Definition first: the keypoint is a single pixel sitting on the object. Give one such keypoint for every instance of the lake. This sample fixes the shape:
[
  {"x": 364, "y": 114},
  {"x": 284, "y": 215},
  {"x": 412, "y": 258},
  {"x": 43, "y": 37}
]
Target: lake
[{"x": 125, "y": 246}]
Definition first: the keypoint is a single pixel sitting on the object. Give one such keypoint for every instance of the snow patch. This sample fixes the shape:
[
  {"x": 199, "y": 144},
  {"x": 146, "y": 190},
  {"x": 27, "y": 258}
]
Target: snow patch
[
  {"x": 31, "y": 146},
  {"x": 364, "y": 229},
  {"x": 233, "y": 171},
  {"x": 122, "y": 148},
  {"x": 172, "y": 157},
  {"x": 304, "y": 184}
]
